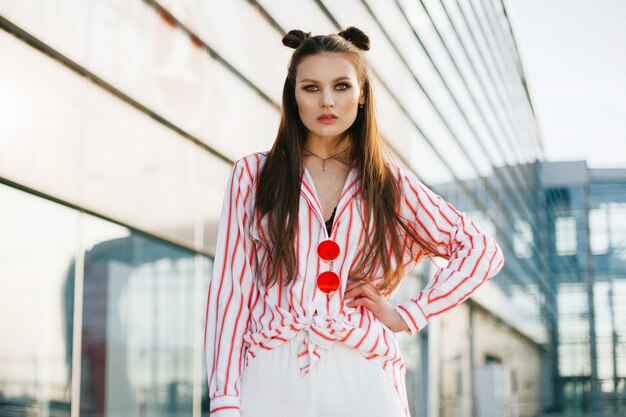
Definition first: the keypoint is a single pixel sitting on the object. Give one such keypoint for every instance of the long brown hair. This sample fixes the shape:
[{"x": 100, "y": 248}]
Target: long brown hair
[{"x": 279, "y": 182}]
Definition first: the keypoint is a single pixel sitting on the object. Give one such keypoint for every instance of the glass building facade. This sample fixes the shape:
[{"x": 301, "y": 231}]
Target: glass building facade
[
  {"x": 120, "y": 121},
  {"x": 586, "y": 210}
]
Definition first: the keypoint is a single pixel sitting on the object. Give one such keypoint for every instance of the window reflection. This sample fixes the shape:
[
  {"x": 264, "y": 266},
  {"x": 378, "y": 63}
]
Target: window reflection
[
  {"x": 573, "y": 329},
  {"x": 37, "y": 251},
  {"x": 29, "y": 151},
  {"x": 523, "y": 239},
  {"x": 138, "y": 325},
  {"x": 599, "y": 231},
  {"x": 565, "y": 235}
]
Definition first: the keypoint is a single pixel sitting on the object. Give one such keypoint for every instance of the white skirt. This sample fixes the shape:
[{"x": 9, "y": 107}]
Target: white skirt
[{"x": 341, "y": 384}]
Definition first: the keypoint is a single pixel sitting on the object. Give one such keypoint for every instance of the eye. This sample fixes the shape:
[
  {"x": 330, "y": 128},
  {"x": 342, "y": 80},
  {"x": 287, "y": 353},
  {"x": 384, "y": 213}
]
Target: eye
[
  {"x": 310, "y": 88},
  {"x": 343, "y": 86}
]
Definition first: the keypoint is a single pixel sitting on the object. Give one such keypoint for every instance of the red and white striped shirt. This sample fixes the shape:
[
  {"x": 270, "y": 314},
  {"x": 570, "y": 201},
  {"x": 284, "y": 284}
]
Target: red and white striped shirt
[{"x": 244, "y": 318}]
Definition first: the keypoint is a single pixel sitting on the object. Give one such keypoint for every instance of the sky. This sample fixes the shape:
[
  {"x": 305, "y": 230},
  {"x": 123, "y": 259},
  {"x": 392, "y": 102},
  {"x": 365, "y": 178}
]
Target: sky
[{"x": 574, "y": 57}]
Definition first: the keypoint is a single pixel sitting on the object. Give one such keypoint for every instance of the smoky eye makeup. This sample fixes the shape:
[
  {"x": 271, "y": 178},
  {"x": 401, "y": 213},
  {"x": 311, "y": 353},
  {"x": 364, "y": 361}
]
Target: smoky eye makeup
[{"x": 313, "y": 87}]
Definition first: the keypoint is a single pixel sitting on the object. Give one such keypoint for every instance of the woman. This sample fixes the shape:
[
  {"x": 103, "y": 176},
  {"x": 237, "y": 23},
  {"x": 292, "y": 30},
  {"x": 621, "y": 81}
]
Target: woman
[{"x": 315, "y": 237}]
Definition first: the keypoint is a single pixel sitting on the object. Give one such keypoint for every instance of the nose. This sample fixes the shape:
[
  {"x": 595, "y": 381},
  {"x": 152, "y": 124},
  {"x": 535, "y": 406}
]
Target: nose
[{"x": 327, "y": 99}]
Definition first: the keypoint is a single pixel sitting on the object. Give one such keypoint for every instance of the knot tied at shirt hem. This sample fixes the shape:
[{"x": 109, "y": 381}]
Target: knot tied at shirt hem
[{"x": 320, "y": 335}]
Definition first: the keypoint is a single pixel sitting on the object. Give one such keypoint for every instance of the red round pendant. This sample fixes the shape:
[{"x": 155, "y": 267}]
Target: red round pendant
[
  {"x": 328, "y": 250},
  {"x": 328, "y": 282}
]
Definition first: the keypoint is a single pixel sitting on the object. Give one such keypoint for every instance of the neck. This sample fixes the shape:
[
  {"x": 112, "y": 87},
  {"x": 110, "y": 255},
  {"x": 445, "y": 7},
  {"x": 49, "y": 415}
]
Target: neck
[{"x": 325, "y": 146}]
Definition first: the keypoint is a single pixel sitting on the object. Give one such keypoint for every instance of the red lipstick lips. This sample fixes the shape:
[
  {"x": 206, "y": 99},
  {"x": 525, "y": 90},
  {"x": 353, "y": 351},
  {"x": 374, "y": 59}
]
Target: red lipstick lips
[{"x": 327, "y": 118}]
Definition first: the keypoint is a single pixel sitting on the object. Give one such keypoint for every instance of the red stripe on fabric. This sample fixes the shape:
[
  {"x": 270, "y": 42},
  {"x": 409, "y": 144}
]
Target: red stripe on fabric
[
  {"x": 375, "y": 344},
  {"x": 489, "y": 269},
  {"x": 223, "y": 272},
  {"x": 404, "y": 246},
  {"x": 254, "y": 304},
  {"x": 367, "y": 331},
  {"x": 428, "y": 230},
  {"x": 439, "y": 274},
  {"x": 239, "y": 312},
  {"x": 354, "y": 181},
  {"x": 271, "y": 322},
  {"x": 358, "y": 245},
  {"x": 347, "y": 335},
  {"x": 467, "y": 294},
  {"x": 421, "y": 309},
  {"x": 349, "y": 202},
  {"x": 292, "y": 285},
  {"x": 410, "y": 316},
  {"x": 311, "y": 194},
  {"x": 500, "y": 263},
  {"x": 241, "y": 357},
  {"x": 308, "y": 252},
  {"x": 206, "y": 316},
  {"x": 443, "y": 310},
  {"x": 410, "y": 206},
  {"x": 280, "y": 292},
  {"x": 386, "y": 343},
  {"x": 434, "y": 203},
  {"x": 322, "y": 335},
  {"x": 482, "y": 254},
  {"x": 264, "y": 313},
  {"x": 471, "y": 238},
  {"x": 390, "y": 360},
  {"x": 317, "y": 273},
  {"x": 226, "y": 407}
]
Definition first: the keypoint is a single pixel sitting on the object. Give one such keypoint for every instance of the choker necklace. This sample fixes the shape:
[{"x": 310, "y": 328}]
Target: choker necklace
[{"x": 325, "y": 159}]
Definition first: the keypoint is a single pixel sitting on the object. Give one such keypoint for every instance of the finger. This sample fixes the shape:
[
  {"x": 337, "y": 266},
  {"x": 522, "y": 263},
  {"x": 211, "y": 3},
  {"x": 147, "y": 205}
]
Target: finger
[
  {"x": 363, "y": 301},
  {"x": 365, "y": 288},
  {"x": 360, "y": 289},
  {"x": 371, "y": 292},
  {"x": 362, "y": 292},
  {"x": 354, "y": 286},
  {"x": 351, "y": 292}
]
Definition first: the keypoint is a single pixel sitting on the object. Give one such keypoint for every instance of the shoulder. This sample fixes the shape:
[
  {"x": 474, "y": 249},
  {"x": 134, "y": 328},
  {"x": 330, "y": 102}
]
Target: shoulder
[
  {"x": 247, "y": 168},
  {"x": 405, "y": 178},
  {"x": 242, "y": 179}
]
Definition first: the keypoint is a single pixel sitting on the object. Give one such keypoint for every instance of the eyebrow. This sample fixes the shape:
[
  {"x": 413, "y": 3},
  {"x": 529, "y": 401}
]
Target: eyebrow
[{"x": 308, "y": 80}]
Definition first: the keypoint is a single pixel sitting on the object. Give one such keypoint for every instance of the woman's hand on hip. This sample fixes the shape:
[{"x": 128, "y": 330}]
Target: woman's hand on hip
[{"x": 363, "y": 293}]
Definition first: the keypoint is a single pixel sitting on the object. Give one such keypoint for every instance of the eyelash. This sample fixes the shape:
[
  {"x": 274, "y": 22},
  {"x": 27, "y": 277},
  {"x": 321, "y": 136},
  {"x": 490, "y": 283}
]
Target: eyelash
[{"x": 306, "y": 88}]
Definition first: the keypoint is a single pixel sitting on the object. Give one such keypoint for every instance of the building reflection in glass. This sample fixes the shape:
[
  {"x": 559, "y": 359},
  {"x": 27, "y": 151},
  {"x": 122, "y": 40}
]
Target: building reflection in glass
[
  {"x": 36, "y": 295},
  {"x": 138, "y": 319}
]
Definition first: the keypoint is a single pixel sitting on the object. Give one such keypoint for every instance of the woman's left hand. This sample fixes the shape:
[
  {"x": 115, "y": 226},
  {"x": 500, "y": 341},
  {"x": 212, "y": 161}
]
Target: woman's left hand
[{"x": 365, "y": 294}]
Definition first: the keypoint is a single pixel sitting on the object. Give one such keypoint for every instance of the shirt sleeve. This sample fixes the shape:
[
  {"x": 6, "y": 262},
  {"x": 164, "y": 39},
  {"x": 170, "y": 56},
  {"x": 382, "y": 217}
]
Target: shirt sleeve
[
  {"x": 473, "y": 256},
  {"x": 230, "y": 289}
]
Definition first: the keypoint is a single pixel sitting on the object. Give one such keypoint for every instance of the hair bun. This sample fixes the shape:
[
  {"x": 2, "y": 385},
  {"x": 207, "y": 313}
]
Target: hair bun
[
  {"x": 295, "y": 37},
  {"x": 357, "y": 37}
]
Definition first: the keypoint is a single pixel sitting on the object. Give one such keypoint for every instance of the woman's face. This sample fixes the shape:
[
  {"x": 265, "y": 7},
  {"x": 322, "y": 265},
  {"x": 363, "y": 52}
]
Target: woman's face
[{"x": 328, "y": 94}]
